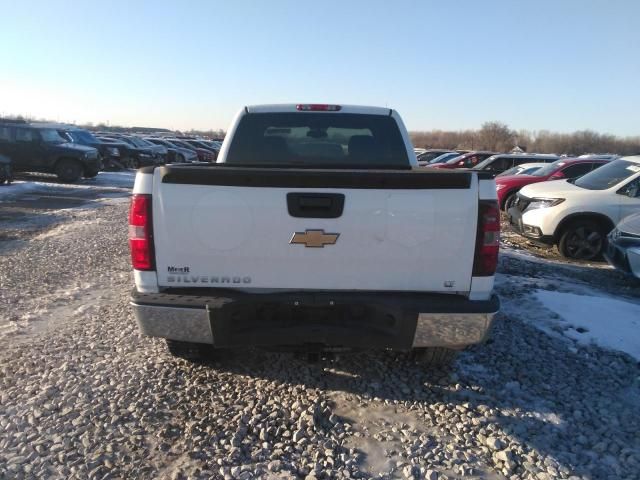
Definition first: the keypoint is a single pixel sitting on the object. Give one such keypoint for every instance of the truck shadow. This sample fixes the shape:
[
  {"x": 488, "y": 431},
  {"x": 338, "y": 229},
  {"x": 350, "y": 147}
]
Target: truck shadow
[{"x": 574, "y": 406}]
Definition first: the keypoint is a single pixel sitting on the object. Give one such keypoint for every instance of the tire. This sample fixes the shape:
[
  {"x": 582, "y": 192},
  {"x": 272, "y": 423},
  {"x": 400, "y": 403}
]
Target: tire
[
  {"x": 508, "y": 202},
  {"x": 179, "y": 158},
  {"x": 91, "y": 172},
  {"x": 6, "y": 174},
  {"x": 69, "y": 170},
  {"x": 582, "y": 240},
  {"x": 135, "y": 163},
  {"x": 434, "y": 356},
  {"x": 193, "y": 352},
  {"x": 126, "y": 163}
]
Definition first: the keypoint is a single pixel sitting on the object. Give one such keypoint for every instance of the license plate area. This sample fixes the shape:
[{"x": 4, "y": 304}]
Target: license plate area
[{"x": 311, "y": 320}]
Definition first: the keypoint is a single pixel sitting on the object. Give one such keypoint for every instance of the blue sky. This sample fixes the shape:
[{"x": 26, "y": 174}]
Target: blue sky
[{"x": 557, "y": 65}]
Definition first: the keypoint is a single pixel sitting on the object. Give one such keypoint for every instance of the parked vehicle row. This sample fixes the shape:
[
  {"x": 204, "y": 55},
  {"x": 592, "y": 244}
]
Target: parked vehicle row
[
  {"x": 71, "y": 152},
  {"x": 34, "y": 147},
  {"x": 573, "y": 203},
  {"x": 428, "y": 155},
  {"x": 577, "y": 214},
  {"x": 494, "y": 163},
  {"x": 465, "y": 160},
  {"x": 130, "y": 155},
  {"x": 439, "y": 159},
  {"x": 508, "y": 186},
  {"x": 175, "y": 153}
]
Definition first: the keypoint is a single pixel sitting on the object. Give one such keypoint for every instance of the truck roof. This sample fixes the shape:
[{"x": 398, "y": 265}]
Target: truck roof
[{"x": 292, "y": 107}]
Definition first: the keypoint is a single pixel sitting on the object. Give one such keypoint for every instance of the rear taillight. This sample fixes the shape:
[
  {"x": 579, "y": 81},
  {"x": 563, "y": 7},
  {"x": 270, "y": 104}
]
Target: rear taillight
[
  {"x": 141, "y": 233},
  {"x": 487, "y": 239},
  {"x": 316, "y": 107}
]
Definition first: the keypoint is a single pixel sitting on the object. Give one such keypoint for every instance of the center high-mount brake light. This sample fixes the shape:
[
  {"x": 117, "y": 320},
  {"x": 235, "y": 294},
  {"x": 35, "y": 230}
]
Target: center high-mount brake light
[
  {"x": 316, "y": 107},
  {"x": 141, "y": 233},
  {"x": 487, "y": 240}
]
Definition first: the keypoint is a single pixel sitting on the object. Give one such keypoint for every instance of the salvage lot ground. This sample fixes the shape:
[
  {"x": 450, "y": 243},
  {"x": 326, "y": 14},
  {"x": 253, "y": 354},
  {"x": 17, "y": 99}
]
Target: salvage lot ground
[{"x": 83, "y": 395}]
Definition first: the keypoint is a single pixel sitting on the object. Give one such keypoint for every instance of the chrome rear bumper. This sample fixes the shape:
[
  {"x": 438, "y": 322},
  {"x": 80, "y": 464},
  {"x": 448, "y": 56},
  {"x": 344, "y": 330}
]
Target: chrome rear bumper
[{"x": 384, "y": 320}]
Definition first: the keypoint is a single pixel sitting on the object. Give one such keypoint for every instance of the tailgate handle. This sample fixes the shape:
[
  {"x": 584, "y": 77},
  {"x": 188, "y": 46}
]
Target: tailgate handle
[{"x": 315, "y": 205}]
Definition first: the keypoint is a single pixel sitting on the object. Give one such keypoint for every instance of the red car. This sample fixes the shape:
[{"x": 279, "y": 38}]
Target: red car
[
  {"x": 565, "y": 168},
  {"x": 466, "y": 160}
]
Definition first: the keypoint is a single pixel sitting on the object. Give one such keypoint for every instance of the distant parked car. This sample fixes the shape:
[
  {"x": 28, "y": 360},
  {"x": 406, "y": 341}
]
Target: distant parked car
[
  {"x": 565, "y": 168},
  {"x": 181, "y": 154},
  {"x": 497, "y": 164},
  {"x": 204, "y": 154},
  {"x": 465, "y": 160},
  {"x": 445, "y": 157},
  {"x": 432, "y": 153},
  {"x": 577, "y": 215},
  {"x": 213, "y": 144},
  {"x": 84, "y": 137},
  {"x": 130, "y": 155},
  {"x": 623, "y": 245},
  {"x": 524, "y": 169},
  {"x": 158, "y": 151},
  {"x": 204, "y": 145},
  {"x": 6, "y": 171},
  {"x": 36, "y": 147},
  {"x": 171, "y": 152}
]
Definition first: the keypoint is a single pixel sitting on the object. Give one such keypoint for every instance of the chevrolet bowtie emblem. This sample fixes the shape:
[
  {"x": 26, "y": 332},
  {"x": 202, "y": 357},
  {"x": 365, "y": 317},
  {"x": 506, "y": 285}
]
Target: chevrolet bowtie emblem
[{"x": 314, "y": 238}]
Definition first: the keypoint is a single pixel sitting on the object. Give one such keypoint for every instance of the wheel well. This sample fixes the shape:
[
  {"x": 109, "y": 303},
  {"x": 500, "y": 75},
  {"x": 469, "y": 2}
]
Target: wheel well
[
  {"x": 507, "y": 195},
  {"x": 602, "y": 220}
]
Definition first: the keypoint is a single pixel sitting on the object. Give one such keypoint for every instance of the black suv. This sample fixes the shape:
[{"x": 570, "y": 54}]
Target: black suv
[
  {"x": 36, "y": 147},
  {"x": 130, "y": 155},
  {"x": 84, "y": 137}
]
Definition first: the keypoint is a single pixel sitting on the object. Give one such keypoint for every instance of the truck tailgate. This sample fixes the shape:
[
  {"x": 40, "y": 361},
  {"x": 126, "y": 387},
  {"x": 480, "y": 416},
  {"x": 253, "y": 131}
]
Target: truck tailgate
[{"x": 220, "y": 226}]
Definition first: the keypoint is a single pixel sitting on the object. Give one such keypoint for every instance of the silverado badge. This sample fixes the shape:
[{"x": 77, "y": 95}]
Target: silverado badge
[{"x": 314, "y": 238}]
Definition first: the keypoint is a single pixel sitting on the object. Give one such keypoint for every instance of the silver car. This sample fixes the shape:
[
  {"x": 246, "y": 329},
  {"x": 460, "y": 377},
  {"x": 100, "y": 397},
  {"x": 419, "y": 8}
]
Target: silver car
[{"x": 623, "y": 247}]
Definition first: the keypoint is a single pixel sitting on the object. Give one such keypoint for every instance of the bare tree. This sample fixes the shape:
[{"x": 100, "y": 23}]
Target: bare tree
[{"x": 497, "y": 136}]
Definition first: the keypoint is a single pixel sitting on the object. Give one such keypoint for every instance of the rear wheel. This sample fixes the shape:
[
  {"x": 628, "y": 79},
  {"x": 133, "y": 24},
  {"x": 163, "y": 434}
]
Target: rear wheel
[
  {"x": 125, "y": 162},
  {"x": 434, "y": 356},
  {"x": 179, "y": 158},
  {"x": 6, "y": 174},
  {"x": 91, "y": 172},
  {"x": 582, "y": 240},
  {"x": 68, "y": 170},
  {"x": 194, "y": 352}
]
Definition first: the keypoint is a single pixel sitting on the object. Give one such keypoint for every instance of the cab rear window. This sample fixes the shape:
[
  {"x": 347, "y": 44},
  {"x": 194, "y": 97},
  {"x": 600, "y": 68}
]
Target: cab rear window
[{"x": 336, "y": 140}]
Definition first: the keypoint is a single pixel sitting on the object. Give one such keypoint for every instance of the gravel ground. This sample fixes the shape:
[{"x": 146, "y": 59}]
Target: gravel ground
[{"x": 83, "y": 395}]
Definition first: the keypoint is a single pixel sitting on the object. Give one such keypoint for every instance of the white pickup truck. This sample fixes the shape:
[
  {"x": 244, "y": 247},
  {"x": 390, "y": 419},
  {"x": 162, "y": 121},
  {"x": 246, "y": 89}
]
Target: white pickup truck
[{"x": 315, "y": 231}]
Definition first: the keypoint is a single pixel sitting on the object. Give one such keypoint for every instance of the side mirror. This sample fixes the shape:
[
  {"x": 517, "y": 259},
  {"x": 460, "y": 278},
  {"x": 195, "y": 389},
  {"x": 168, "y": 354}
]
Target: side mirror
[{"x": 557, "y": 176}]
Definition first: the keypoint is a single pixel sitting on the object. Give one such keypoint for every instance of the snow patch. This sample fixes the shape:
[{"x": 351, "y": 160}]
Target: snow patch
[
  {"x": 600, "y": 320},
  {"x": 16, "y": 188},
  {"x": 118, "y": 180}
]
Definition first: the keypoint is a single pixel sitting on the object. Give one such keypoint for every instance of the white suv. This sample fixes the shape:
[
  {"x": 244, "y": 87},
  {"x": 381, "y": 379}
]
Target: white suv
[{"x": 576, "y": 215}]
